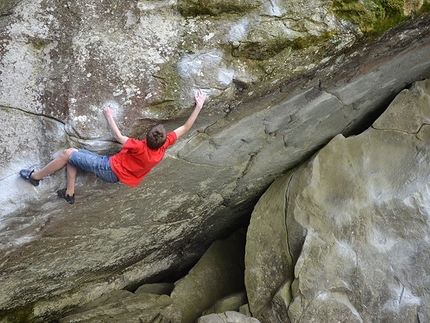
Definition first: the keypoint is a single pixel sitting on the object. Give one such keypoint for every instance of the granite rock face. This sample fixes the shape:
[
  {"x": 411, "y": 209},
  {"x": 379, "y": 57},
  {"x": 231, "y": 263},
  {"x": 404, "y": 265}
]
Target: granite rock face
[
  {"x": 280, "y": 86},
  {"x": 351, "y": 227}
]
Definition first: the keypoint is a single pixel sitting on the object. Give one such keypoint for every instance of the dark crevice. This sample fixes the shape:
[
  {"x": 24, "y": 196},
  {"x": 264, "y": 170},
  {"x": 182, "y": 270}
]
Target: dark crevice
[
  {"x": 366, "y": 120},
  {"x": 32, "y": 113}
]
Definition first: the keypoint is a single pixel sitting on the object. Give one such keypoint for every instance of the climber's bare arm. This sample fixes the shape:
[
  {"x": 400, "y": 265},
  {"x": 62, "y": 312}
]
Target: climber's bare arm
[
  {"x": 108, "y": 113},
  {"x": 200, "y": 98}
]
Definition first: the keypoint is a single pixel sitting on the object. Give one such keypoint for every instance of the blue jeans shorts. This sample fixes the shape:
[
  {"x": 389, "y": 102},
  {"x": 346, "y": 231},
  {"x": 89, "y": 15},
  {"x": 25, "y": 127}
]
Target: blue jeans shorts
[{"x": 93, "y": 163}]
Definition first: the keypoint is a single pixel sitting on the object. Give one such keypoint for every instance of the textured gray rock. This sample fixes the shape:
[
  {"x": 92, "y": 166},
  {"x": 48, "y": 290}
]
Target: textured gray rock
[
  {"x": 356, "y": 220},
  {"x": 227, "y": 317},
  {"x": 229, "y": 303},
  {"x": 268, "y": 263},
  {"x": 217, "y": 274},
  {"x": 157, "y": 288},
  {"x": 269, "y": 108},
  {"x": 121, "y": 307},
  {"x": 368, "y": 237}
]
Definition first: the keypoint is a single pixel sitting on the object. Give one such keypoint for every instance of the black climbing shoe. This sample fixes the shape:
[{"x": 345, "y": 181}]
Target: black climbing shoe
[
  {"x": 67, "y": 197},
  {"x": 26, "y": 174}
]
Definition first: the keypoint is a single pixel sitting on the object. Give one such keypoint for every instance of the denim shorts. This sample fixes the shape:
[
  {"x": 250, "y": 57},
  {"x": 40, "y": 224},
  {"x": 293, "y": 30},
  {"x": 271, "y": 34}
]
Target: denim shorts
[{"x": 93, "y": 163}]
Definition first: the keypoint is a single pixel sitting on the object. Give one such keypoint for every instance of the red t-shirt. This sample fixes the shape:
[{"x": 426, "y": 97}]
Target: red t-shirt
[{"x": 136, "y": 159}]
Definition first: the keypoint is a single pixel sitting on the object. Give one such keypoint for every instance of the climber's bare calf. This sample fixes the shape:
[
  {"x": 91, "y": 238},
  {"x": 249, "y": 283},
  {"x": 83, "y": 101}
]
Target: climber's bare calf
[{"x": 56, "y": 164}]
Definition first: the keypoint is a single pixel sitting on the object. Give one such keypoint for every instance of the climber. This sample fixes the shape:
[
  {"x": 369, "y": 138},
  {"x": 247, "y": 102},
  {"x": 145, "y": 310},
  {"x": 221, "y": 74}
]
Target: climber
[{"x": 129, "y": 166}]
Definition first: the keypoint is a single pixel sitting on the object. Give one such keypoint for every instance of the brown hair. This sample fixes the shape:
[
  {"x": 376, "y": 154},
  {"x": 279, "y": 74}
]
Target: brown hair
[{"x": 156, "y": 137}]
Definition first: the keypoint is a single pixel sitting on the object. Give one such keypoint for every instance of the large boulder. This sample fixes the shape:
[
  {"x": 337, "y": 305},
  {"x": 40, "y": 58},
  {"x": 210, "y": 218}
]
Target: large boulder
[
  {"x": 268, "y": 260},
  {"x": 217, "y": 274},
  {"x": 356, "y": 221},
  {"x": 274, "y": 99},
  {"x": 227, "y": 317}
]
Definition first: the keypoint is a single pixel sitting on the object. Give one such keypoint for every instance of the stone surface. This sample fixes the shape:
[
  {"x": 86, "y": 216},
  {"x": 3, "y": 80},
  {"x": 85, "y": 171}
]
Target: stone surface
[
  {"x": 217, "y": 274},
  {"x": 270, "y": 107},
  {"x": 361, "y": 208},
  {"x": 157, "y": 288},
  {"x": 229, "y": 303},
  {"x": 367, "y": 234},
  {"x": 264, "y": 258},
  {"x": 121, "y": 306},
  {"x": 227, "y": 317}
]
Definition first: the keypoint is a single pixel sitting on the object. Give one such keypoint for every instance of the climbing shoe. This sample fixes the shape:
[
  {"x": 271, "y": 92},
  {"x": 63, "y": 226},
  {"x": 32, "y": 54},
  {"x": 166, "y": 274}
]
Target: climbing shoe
[
  {"x": 67, "y": 197},
  {"x": 26, "y": 174}
]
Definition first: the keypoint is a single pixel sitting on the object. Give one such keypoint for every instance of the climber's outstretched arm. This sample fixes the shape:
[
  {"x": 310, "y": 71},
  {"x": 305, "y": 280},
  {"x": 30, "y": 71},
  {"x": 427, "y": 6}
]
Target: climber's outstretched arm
[
  {"x": 109, "y": 117},
  {"x": 200, "y": 98}
]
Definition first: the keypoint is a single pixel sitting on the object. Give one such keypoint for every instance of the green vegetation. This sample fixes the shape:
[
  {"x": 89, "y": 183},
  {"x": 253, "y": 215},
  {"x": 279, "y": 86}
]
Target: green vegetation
[
  {"x": 39, "y": 44},
  {"x": 213, "y": 8},
  {"x": 424, "y": 8},
  {"x": 19, "y": 315},
  {"x": 301, "y": 43},
  {"x": 372, "y": 17}
]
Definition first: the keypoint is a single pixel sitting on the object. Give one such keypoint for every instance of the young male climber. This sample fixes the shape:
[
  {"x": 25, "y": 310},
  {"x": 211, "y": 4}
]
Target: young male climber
[{"x": 129, "y": 166}]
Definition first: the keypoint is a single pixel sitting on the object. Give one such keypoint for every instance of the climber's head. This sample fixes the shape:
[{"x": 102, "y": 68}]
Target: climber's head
[{"x": 156, "y": 137}]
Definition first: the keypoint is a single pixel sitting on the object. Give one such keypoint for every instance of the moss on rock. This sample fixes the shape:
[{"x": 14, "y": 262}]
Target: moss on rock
[
  {"x": 372, "y": 17},
  {"x": 272, "y": 37},
  {"x": 19, "y": 315},
  {"x": 216, "y": 7}
]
